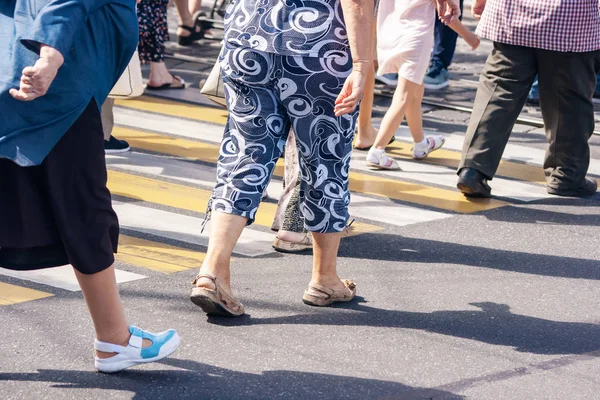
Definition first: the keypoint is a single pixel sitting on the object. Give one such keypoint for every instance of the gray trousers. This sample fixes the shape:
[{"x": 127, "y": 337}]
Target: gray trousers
[{"x": 566, "y": 87}]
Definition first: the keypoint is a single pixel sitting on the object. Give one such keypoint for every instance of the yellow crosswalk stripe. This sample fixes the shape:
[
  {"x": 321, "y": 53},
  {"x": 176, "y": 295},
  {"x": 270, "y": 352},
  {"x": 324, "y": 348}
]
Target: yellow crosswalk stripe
[
  {"x": 157, "y": 256},
  {"x": 188, "y": 198},
  {"x": 12, "y": 294},
  {"x": 443, "y": 157},
  {"x": 444, "y": 199},
  {"x": 176, "y": 109}
]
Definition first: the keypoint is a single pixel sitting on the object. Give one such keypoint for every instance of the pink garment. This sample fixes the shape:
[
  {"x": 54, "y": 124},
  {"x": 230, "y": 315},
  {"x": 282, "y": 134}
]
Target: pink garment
[{"x": 405, "y": 37}]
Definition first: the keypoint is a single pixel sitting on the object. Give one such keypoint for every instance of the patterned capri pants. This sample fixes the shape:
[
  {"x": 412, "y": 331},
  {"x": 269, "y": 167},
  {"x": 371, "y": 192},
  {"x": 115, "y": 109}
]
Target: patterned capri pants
[{"x": 267, "y": 94}]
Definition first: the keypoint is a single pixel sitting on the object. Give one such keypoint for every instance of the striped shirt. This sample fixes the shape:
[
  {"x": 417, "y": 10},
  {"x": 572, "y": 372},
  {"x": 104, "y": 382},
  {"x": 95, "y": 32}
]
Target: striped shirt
[{"x": 557, "y": 25}]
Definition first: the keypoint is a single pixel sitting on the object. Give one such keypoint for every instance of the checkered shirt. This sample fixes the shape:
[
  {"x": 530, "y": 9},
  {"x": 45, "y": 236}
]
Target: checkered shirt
[{"x": 558, "y": 25}]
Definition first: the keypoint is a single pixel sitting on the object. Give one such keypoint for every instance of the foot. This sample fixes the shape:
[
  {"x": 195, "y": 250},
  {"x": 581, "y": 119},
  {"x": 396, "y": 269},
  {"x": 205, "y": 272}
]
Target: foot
[
  {"x": 163, "y": 82},
  {"x": 324, "y": 295},
  {"x": 292, "y": 242},
  {"x": 213, "y": 294},
  {"x": 141, "y": 347},
  {"x": 377, "y": 158},
  {"x": 473, "y": 183},
  {"x": 589, "y": 187},
  {"x": 365, "y": 141},
  {"x": 431, "y": 143},
  {"x": 114, "y": 145},
  {"x": 331, "y": 281},
  {"x": 437, "y": 78},
  {"x": 187, "y": 27}
]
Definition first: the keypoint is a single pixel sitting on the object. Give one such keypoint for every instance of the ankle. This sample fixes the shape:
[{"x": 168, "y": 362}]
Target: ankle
[
  {"x": 221, "y": 273},
  {"x": 291, "y": 236},
  {"x": 120, "y": 338},
  {"x": 328, "y": 280}
]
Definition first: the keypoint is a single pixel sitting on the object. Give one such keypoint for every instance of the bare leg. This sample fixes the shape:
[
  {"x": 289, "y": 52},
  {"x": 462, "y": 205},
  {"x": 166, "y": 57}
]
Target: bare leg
[
  {"x": 414, "y": 115},
  {"x": 102, "y": 297},
  {"x": 195, "y": 6},
  {"x": 185, "y": 17},
  {"x": 325, "y": 250},
  {"x": 224, "y": 233},
  {"x": 405, "y": 93}
]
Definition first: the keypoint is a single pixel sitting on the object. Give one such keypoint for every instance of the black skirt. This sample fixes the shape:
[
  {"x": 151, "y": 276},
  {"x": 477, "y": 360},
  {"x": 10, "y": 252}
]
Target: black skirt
[{"x": 60, "y": 212}]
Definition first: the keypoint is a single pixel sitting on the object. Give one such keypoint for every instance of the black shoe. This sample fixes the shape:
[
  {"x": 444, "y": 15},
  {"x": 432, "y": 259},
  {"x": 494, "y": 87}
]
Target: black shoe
[
  {"x": 473, "y": 183},
  {"x": 114, "y": 145},
  {"x": 588, "y": 188}
]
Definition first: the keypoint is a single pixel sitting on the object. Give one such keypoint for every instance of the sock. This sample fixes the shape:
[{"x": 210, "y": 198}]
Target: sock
[
  {"x": 422, "y": 145},
  {"x": 377, "y": 151}
]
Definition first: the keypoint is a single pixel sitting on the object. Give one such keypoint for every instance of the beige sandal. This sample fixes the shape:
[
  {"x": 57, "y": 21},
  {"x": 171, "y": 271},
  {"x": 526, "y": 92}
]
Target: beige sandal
[
  {"x": 321, "y": 296},
  {"x": 217, "y": 301},
  {"x": 285, "y": 246}
]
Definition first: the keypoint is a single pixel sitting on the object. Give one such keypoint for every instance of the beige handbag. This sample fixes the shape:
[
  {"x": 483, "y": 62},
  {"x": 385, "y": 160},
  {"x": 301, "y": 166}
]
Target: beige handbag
[
  {"x": 213, "y": 87},
  {"x": 130, "y": 83}
]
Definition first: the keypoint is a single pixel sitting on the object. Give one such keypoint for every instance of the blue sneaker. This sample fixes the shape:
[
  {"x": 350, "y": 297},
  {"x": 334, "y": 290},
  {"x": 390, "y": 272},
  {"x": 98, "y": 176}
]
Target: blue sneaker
[
  {"x": 163, "y": 345},
  {"x": 437, "y": 78},
  {"x": 388, "y": 79},
  {"x": 534, "y": 94}
]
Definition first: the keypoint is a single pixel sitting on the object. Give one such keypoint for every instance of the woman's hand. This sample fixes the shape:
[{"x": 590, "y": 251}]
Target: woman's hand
[
  {"x": 448, "y": 10},
  {"x": 353, "y": 90},
  {"x": 36, "y": 80}
]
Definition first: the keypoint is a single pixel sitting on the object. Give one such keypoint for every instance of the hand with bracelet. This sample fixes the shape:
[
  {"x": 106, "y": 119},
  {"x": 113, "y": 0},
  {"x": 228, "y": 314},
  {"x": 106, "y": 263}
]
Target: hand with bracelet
[{"x": 36, "y": 80}]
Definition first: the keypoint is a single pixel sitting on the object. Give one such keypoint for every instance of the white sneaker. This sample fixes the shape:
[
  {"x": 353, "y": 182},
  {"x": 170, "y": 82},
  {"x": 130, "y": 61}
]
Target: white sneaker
[
  {"x": 163, "y": 345},
  {"x": 378, "y": 159},
  {"x": 433, "y": 143}
]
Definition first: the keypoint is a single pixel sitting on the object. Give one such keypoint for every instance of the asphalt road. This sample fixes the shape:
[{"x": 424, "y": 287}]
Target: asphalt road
[{"x": 493, "y": 304}]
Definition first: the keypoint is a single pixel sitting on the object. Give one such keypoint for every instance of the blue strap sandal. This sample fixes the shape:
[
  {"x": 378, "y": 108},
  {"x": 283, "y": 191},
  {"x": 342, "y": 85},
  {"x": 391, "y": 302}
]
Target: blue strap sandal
[{"x": 163, "y": 345}]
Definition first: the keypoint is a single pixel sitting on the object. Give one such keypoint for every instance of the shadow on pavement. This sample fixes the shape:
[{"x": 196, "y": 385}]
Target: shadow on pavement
[
  {"x": 194, "y": 380},
  {"x": 418, "y": 250},
  {"x": 493, "y": 323}
]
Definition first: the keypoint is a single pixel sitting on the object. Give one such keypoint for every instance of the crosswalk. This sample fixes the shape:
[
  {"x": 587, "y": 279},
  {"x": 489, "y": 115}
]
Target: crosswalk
[{"x": 161, "y": 189}]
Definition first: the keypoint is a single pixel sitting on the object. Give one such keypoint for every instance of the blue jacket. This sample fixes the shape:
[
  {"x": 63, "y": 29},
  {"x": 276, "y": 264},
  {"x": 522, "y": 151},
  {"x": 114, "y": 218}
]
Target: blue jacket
[{"x": 97, "y": 39}]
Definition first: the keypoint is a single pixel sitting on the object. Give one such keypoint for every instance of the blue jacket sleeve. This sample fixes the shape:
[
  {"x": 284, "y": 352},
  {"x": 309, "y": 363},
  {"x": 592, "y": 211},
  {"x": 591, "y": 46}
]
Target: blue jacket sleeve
[{"x": 58, "y": 23}]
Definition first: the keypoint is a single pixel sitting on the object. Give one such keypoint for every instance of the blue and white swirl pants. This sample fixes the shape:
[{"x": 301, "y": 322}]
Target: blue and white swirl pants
[{"x": 267, "y": 94}]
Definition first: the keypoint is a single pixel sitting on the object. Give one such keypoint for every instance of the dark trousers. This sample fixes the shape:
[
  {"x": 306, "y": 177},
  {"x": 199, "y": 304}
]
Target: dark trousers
[
  {"x": 566, "y": 86},
  {"x": 445, "y": 43}
]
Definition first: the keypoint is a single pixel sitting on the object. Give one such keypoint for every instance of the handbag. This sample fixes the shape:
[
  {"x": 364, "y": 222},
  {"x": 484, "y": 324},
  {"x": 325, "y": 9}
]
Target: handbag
[
  {"x": 130, "y": 83},
  {"x": 213, "y": 88}
]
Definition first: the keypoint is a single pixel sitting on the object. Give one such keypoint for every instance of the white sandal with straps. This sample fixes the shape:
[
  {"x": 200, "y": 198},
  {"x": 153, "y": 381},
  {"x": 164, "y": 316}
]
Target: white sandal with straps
[
  {"x": 381, "y": 160},
  {"x": 163, "y": 345},
  {"x": 434, "y": 143}
]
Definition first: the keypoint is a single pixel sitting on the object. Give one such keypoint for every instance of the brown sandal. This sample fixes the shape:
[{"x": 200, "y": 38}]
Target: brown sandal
[
  {"x": 217, "y": 301},
  {"x": 285, "y": 246},
  {"x": 321, "y": 296}
]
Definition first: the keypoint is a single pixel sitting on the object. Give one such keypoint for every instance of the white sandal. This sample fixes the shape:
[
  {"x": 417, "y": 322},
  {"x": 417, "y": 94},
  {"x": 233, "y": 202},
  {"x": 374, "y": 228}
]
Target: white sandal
[
  {"x": 433, "y": 143},
  {"x": 163, "y": 345},
  {"x": 381, "y": 161}
]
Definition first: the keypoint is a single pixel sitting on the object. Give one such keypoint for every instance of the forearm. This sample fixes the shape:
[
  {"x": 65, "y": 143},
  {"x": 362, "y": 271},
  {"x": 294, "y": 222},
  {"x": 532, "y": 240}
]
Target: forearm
[
  {"x": 459, "y": 28},
  {"x": 358, "y": 15}
]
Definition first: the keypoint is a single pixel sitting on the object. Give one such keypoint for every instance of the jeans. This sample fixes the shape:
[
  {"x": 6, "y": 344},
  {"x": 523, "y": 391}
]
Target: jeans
[{"x": 445, "y": 43}]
